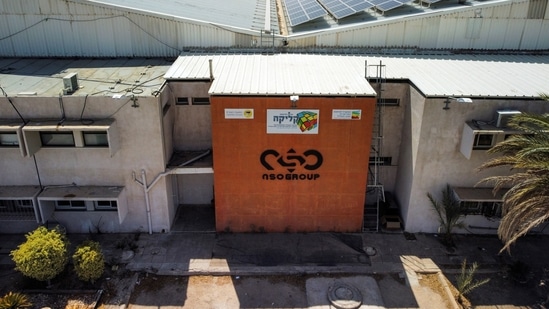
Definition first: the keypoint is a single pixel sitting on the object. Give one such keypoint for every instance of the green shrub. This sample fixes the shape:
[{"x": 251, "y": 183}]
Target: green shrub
[
  {"x": 43, "y": 255},
  {"x": 89, "y": 262},
  {"x": 14, "y": 301}
]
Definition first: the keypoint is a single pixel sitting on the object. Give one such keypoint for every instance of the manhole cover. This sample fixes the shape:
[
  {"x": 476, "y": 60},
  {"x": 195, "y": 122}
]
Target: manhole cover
[{"x": 343, "y": 296}]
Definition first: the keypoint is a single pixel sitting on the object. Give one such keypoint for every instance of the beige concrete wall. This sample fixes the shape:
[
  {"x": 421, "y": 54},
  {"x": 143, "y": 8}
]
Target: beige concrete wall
[
  {"x": 168, "y": 120},
  {"x": 195, "y": 188},
  {"x": 392, "y": 123},
  {"x": 438, "y": 160},
  {"x": 141, "y": 148},
  {"x": 413, "y": 114},
  {"x": 192, "y": 128}
]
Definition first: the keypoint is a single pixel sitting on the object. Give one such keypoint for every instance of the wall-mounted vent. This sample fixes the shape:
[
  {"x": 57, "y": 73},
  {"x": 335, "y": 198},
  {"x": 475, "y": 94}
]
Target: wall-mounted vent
[
  {"x": 70, "y": 83},
  {"x": 503, "y": 117}
]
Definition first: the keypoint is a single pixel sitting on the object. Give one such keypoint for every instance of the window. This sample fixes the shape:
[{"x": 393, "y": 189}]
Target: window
[
  {"x": 16, "y": 210},
  {"x": 201, "y": 101},
  {"x": 95, "y": 139},
  {"x": 380, "y": 160},
  {"x": 9, "y": 139},
  {"x": 24, "y": 204},
  {"x": 57, "y": 139},
  {"x": 70, "y": 205},
  {"x": 483, "y": 141},
  {"x": 470, "y": 208},
  {"x": 388, "y": 102},
  {"x": 182, "y": 101},
  {"x": 105, "y": 205},
  {"x": 101, "y": 133},
  {"x": 488, "y": 209},
  {"x": 491, "y": 209}
]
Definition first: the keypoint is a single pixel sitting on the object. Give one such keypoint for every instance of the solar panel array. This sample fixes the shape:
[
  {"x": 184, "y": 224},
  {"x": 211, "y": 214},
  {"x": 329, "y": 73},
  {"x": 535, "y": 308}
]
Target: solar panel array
[
  {"x": 343, "y": 8},
  {"x": 389, "y": 5},
  {"x": 302, "y": 11},
  {"x": 429, "y": 2}
]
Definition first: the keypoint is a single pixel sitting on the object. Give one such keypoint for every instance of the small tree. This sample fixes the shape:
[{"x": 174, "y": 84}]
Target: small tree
[
  {"x": 43, "y": 255},
  {"x": 89, "y": 262},
  {"x": 465, "y": 280},
  {"x": 15, "y": 301},
  {"x": 449, "y": 214}
]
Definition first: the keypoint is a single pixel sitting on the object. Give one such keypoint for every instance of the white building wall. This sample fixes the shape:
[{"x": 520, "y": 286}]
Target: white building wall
[
  {"x": 141, "y": 148},
  {"x": 76, "y": 28},
  {"x": 496, "y": 25},
  {"x": 408, "y": 154},
  {"x": 192, "y": 124},
  {"x": 439, "y": 161},
  {"x": 392, "y": 126},
  {"x": 57, "y": 28},
  {"x": 195, "y": 189}
]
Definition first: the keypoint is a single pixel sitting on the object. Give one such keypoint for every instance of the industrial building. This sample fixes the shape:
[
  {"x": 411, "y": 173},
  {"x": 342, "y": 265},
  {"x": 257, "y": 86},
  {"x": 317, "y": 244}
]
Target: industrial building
[{"x": 118, "y": 116}]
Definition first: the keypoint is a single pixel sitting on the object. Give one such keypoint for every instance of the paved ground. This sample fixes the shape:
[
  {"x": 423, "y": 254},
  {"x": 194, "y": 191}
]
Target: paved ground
[{"x": 325, "y": 255}]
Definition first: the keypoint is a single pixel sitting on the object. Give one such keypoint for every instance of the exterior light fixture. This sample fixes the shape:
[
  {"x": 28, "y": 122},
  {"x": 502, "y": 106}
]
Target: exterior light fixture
[
  {"x": 134, "y": 100},
  {"x": 294, "y": 99},
  {"x": 459, "y": 100}
]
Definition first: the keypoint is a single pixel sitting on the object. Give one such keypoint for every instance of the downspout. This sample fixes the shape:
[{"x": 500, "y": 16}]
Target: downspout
[
  {"x": 196, "y": 158},
  {"x": 147, "y": 202},
  {"x": 146, "y": 188}
]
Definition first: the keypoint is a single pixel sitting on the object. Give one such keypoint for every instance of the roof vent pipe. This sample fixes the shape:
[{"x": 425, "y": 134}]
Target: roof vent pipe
[{"x": 211, "y": 70}]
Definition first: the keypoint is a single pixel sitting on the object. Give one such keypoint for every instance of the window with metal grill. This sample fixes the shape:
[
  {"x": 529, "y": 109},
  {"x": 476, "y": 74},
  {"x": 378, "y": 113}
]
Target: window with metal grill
[{"x": 388, "y": 102}]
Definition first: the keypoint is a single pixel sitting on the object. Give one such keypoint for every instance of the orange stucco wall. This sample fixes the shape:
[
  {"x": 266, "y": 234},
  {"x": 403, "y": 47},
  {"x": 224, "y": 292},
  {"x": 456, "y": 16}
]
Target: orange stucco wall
[{"x": 330, "y": 198}]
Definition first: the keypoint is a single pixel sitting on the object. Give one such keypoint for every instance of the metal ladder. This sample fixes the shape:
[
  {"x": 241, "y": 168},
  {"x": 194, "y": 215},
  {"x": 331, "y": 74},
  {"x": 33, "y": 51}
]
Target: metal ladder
[
  {"x": 267, "y": 40},
  {"x": 375, "y": 193}
]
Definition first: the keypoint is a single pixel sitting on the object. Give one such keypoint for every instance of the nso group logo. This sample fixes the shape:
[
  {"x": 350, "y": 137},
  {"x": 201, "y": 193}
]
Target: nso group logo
[{"x": 304, "y": 164}]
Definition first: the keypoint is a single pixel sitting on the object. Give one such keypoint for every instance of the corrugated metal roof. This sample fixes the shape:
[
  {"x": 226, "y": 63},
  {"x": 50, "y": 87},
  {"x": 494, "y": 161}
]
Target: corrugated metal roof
[
  {"x": 102, "y": 77},
  {"x": 279, "y": 74},
  {"x": 513, "y": 76},
  {"x": 245, "y": 14}
]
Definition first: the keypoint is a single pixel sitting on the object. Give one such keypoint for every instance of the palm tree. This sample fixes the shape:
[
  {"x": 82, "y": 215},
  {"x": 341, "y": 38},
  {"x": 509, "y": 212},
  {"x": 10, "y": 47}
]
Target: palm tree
[
  {"x": 449, "y": 214},
  {"x": 526, "y": 204}
]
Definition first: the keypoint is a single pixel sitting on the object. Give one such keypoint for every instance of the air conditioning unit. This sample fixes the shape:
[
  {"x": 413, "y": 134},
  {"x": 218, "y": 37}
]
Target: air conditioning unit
[
  {"x": 503, "y": 117},
  {"x": 70, "y": 83}
]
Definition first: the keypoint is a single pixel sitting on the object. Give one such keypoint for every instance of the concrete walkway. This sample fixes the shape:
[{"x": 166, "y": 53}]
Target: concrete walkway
[
  {"x": 368, "y": 253},
  {"x": 230, "y": 254},
  {"x": 322, "y": 254}
]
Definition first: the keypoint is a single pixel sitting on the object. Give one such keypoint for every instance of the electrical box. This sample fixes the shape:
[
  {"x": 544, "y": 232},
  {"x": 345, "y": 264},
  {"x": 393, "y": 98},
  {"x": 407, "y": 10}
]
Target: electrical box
[
  {"x": 70, "y": 83},
  {"x": 503, "y": 117}
]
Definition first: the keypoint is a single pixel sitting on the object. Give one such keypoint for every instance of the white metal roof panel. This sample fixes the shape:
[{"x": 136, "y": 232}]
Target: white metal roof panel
[
  {"x": 512, "y": 76},
  {"x": 474, "y": 75},
  {"x": 279, "y": 74},
  {"x": 245, "y": 14}
]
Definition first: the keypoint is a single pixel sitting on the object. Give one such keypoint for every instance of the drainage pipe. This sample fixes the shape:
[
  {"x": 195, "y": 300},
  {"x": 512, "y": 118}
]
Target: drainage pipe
[
  {"x": 200, "y": 156},
  {"x": 147, "y": 202},
  {"x": 147, "y": 188}
]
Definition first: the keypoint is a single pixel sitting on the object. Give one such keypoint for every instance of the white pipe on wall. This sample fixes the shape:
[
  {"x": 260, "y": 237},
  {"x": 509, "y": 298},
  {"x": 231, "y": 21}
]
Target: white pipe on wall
[
  {"x": 147, "y": 202},
  {"x": 147, "y": 188}
]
